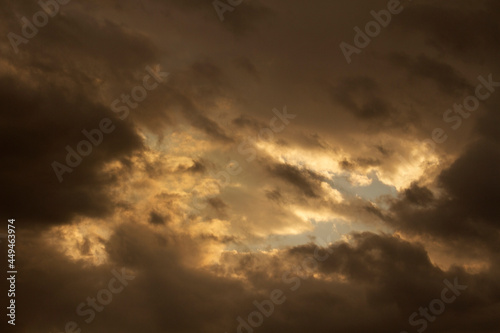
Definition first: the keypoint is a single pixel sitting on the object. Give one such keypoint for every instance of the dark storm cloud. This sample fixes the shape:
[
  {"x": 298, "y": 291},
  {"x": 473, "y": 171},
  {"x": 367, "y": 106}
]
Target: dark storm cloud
[
  {"x": 163, "y": 296},
  {"x": 446, "y": 78},
  {"x": 418, "y": 195},
  {"x": 113, "y": 52},
  {"x": 385, "y": 280},
  {"x": 55, "y": 84},
  {"x": 397, "y": 271},
  {"x": 456, "y": 28},
  {"x": 391, "y": 273},
  {"x": 30, "y": 150},
  {"x": 473, "y": 182},
  {"x": 463, "y": 214},
  {"x": 467, "y": 211},
  {"x": 178, "y": 300}
]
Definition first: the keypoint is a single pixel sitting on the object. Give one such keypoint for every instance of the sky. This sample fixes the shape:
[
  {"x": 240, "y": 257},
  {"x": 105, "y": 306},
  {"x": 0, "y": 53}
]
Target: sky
[{"x": 182, "y": 166}]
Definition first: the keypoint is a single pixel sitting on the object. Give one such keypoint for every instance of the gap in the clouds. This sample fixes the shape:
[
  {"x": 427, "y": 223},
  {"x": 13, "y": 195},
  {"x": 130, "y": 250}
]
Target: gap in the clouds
[
  {"x": 323, "y": 234},
  {"x": 373, "y": 190}
]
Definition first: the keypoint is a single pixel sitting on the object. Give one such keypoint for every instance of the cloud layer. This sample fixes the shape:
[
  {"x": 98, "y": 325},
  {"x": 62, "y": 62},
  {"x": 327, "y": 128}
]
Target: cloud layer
[{"x": 264, "y": 163}]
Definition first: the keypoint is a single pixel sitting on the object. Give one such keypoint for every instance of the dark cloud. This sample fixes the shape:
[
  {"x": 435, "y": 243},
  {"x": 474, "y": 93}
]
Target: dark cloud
[
  {"x": 448, "y": 27},
  {"x": 466, "y": 211},
  {"x": 358, "y": 96},
  {"x": 196, "y": 167},
  {"x": 218, "y": 204},
  {"x": 418, "y": 195},
  {"x": 306, "y": 181},
  {"x": 157, "y": 219},
  {"x": 392, "y": 273},
  {"x": 446, "y": 78},
  {"x": 31, "y": 149}
]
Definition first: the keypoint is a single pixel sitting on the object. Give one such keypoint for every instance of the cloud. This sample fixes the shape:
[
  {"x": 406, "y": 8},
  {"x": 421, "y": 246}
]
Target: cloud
[
  {"x": 369, "y": 106},
  {"x": 82, "y": 191},
  {"x": 306, "y": 181},
  {"x": 446, "y": 78}
]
